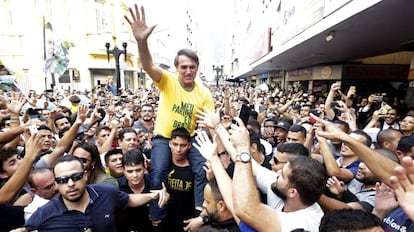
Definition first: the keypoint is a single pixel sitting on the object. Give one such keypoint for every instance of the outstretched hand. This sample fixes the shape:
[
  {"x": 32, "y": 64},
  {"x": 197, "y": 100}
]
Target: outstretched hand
[
  {"x": 138, "y": 24},
  {"x": 208, "y": 118},
  {"x": 403, "y": 184},
  {"x": 204, "y": 145}
]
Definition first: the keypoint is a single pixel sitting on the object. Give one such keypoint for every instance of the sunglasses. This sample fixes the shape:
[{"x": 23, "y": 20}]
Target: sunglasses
[
  {"x": 276, "y": 161},
  {"x": 65, "y": 179}
]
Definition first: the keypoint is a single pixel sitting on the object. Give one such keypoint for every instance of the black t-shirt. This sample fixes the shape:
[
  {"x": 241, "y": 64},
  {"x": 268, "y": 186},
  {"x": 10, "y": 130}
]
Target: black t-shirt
[
  {"x": 137, "y": 218},
  {"x": 11, "y": 217},
  {"x": 181, "y": 189}
]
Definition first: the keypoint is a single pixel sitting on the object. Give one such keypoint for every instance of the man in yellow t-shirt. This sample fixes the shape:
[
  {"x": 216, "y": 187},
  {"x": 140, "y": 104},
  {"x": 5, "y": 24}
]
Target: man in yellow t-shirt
[{"x": 180, "y": 99}]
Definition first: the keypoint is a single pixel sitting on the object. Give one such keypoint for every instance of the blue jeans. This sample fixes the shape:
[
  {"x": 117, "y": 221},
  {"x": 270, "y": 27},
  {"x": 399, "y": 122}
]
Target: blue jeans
[{"x": 160, "y": 162}]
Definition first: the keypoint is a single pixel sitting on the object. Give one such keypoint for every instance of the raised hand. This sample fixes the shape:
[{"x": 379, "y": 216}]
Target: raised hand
[
  {"x": 239, "y": 135},
  {"x": 82, "y": 113},
  {"x": 403, "y": 184},
  {"x": 335, "y": 186},
  {"x": 384, "y": 198},
  {"x": 204, "y": 145},
  {"x": 208, "y": 118},
  {"x": 16, "y": 104},
  {"x": 138, "y": 24}
]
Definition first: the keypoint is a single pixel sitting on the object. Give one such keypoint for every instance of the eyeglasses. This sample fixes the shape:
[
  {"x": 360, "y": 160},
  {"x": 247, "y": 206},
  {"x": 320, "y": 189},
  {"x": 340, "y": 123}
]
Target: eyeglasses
[
  {"x": 65, "y": 179},
  {"x": 276, "y": 161}
]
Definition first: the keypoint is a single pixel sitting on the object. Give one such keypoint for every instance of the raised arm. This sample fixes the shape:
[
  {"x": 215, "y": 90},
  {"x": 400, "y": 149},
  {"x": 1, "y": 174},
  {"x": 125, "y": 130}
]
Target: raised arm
[
  {"x": 380, "y": 165},
  {"x": 66, "y": 141},
  {"x": 141, "y": 33},
  {"x": 330, "y": 163},
  {"x": 329, "y": 112},
  {"x": 224, "y": 182},
  {"x": 16, "y": 182},
  {"x": 246, "y": 199}
]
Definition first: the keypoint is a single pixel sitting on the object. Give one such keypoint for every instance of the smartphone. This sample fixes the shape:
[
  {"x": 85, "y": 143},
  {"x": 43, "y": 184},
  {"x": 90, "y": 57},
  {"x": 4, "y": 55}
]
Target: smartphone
[
  {"x": 312, "y": 120},
  {"x": 33, "y": 129}
]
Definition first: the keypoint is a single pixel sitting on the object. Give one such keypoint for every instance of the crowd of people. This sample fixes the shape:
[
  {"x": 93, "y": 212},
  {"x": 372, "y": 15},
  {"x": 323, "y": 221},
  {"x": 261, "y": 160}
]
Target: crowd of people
[{"x": 181, "y": 157}]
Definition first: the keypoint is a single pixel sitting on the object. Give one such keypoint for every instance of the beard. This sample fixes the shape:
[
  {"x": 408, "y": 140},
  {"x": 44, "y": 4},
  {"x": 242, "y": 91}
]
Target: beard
[
  {"x": 213, "y": 216},
  {"x": 368, "y": 180},
  {"x": 278, "y": 193},
  {"x": 76, "y": 198}
]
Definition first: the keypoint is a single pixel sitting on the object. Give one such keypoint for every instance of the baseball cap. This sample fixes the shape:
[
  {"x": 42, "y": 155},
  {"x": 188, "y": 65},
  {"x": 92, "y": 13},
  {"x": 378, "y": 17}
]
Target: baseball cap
[{"x": 283, "y": 124}]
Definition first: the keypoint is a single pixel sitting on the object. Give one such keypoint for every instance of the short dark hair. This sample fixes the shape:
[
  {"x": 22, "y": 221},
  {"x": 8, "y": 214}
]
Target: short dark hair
[
  {"x": 296, "y": 149},
  {"x": 60, "y": 116},
  {"x": 112, "y": 152},
  {"x": 102, "y": 128},
  {"x": 298, "y": 128},
  {"x": 182, "y": 133},
  {"x": 74, "y": 99},
  {"x": 188, "y": 53},
  {"x": 308, "y": 176},
  {"x": 44, "y": 127},
  {"x": 6, "y": 153},
  {"x": 405, "y": 144},
  {"x": 348, "y": 220},
  {"x": 133, "y": 157},
  {"x": 66, "y": 158},
  {"x": 126, "y": 130},
  {"x": 368, "y": 141},
  {"x": 386, "y": 136}
]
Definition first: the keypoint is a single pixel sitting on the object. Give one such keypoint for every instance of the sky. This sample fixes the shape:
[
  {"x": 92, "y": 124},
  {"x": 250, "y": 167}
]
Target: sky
[{"x": 171, "y": 20}]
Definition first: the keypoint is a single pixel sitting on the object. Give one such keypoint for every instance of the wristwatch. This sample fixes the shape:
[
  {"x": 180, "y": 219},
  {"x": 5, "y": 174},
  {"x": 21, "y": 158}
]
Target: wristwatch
[
  {"x": 244, "y": 157},
  {"x": 205, "y": 219}
]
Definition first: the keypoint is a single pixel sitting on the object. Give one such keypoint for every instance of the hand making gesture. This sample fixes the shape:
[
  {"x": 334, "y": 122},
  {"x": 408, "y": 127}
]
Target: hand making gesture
[{"x": 138, "y": 24}]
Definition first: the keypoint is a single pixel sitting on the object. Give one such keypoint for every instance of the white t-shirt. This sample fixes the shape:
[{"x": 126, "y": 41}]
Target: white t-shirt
[{"x": 308, "y": 218}]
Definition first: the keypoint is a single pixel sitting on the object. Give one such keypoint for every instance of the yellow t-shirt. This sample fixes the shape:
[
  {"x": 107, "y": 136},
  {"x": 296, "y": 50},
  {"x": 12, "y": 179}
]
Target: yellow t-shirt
[{"x": 177, "y": 106}]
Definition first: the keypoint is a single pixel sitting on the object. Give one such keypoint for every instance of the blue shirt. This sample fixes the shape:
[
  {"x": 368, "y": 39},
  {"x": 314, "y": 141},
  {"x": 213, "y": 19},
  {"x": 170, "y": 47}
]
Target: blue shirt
[
  {"x": 98, "y": 216},
  {"x": 245, "y": 228},
  {"x": 397, "y": 221}
]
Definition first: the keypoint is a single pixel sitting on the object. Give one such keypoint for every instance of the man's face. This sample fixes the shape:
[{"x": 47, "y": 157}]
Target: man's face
[
  {"x": 47, "y": 139},
  {"x": 102, "y": 137},
  {"x": 73, "y": 190},
  {"x": 187, "y": 70},
  {"x": 141, "y": 138},
  {"x": 46, "y": 114},
  {"x": 62, "y": 123},
  {"x": 147, "y": 113},
  {"x": 281, "y": 135},
  {"x": 278, "y": 160},
  {"x": 85, "y": 156},
  {"x": 304, "y": 111},
  {"x": 134, "y": 173},
  {"x": 45, "y": 185},
  {"x": 179, "y": 147},
  {"x": 114, "y": 165},
  {"x": 295, "y": 137},
  {"x": 10, "y": 165},
  {"x": 210, "y": 205},
  {"x": 391, "y": 117},
  {"x": 345, "y": 150},
  {"x": 281, "y": 186},
  {"x": 364, "y": 175},
  {"x": 269, "y": 129},
  {"x": 129, "y": 142}
]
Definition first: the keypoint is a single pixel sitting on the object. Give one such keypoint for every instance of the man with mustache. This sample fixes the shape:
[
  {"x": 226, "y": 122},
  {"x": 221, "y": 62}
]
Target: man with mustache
[{"x": 81, "y": 206}]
